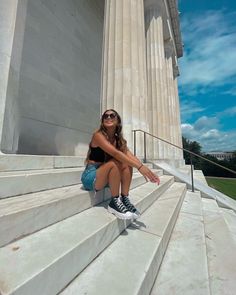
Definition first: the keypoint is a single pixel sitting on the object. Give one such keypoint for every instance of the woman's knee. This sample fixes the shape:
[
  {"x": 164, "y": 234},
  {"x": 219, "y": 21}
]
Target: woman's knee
[
  {"x": 124, "y": 168},
  {"x": 120, "y": 167},
  {"x": 113, "y": 165}
]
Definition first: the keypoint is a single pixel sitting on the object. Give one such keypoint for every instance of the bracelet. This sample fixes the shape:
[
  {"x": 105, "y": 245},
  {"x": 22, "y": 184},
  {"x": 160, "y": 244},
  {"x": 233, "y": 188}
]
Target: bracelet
[{"x": 140, "y": 167}]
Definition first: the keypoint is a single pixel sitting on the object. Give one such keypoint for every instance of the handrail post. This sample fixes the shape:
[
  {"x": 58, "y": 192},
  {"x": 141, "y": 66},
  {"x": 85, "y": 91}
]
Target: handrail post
[
  {"x": 135, "y": 142},
  {"x": 191, "y": 162},
  {"x": 145, "y": 151}
]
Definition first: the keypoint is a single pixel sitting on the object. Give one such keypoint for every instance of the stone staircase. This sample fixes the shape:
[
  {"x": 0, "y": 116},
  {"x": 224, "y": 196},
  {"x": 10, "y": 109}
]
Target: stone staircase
[{"x": 56, "y": 238}]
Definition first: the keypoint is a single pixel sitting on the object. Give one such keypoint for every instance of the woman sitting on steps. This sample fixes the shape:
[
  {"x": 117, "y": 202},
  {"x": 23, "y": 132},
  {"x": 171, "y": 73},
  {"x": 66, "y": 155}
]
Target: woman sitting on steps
[{"x": 109, "y": 161}]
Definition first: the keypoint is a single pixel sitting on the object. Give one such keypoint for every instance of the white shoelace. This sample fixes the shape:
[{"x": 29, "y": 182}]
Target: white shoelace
[
  {"x": 127, "y": 203},
  {"x": 120, "y": 205}
]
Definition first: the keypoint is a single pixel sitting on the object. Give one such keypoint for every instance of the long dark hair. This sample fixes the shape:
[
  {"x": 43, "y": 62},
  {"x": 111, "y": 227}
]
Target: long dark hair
[{"x": 121, "y": 143}]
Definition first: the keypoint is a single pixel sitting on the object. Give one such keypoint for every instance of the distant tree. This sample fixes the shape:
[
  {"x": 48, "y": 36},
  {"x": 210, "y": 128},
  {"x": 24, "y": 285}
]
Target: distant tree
[
  {"x": 233, "y": 160},
  {"x": 208, "y": 168},
  {"x": 192, "y": 146},
  {"x": 213, "y": 170}
]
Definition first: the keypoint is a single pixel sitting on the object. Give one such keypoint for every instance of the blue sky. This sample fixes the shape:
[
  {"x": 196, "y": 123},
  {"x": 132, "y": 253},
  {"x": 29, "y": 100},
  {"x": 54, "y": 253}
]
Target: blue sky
[{"x": 207, "y": 82}]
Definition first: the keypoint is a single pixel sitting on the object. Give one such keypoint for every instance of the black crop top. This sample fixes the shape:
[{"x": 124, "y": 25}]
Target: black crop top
[{"x": 97, "y": 154}]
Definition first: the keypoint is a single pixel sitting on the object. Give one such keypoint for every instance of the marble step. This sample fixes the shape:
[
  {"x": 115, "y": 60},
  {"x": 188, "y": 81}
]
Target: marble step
[
  {"x": 15, "y": 183},
  {"x": 24, "y": 182},
  {"x": 198, "y": 174},
  {"x": 220, "y": 250},
  {"x": 25, "y": 214},
  {"x": 184, "y": 269},
  {"x": 31, "y": 162},
  {"x": 185, "y": 169},
  {"x": 230, "y": 218},
  {"x": 36, "y": 162},
  {"x": 36, "y": 264},
  {"x": 40, "y": 171},
  {"x": 129, "y": 265}
]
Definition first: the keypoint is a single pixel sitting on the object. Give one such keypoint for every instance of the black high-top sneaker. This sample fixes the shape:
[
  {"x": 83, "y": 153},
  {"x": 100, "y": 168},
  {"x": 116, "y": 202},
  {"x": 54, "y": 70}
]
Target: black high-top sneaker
[
  {"x": 117, "y": 208},
  {"x": 126, "y": 201}
]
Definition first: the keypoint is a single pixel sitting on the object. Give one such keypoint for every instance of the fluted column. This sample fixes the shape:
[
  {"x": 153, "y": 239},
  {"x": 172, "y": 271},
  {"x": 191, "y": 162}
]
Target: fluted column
[
  {"x": 173, "y": 101},
  {"x": 156, "y": 70},
  {"x": 170, "y": 92},
  {"x": 124, "y": 84},
  {"x": 179, "y": 141}
]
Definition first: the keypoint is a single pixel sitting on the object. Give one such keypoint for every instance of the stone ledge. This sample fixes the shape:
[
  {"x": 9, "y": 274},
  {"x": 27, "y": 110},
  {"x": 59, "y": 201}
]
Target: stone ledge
[
  {"x": 24, "y": 182},
  {"x": 32, "y": 162}
]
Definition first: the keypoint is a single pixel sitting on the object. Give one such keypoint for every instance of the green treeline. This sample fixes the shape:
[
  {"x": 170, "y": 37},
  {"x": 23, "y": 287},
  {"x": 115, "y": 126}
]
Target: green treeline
[{"x": 208, "y": 168}]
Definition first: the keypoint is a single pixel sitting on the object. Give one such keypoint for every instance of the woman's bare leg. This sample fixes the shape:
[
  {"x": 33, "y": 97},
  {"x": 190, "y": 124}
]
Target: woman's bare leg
[
  {"x": 108, "y": 173},
  {"x": 126, "y": 178},
  {"x": 126, "y": 173}
]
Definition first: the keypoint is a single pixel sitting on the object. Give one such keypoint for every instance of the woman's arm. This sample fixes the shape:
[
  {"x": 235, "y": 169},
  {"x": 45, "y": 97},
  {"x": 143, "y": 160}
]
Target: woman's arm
[
  {"x": 100, "y": 140},
  {"x": 130, "y": 155},
  {"x": 129, "y": 159},
  {"x": 143, "y": 169}
]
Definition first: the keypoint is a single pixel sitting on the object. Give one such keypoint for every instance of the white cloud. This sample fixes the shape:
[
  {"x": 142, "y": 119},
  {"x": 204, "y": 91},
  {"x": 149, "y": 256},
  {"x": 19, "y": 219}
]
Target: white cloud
[
  {"x": 231, "y": 92},
  {"x": 187, "y": 126},
  {"x": 211, "y": 139},
  {"x": 189, "y": 132},
  {"x": 188, "y": 108},
  {"x": 209, "y": 58},
  {"x": 211, "y": 134},
  {"x": 205, "y": 123},
  {"x": 230, "y": 112}
]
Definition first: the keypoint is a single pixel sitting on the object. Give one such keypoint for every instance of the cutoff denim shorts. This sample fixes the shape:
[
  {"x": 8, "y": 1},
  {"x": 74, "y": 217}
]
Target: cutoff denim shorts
[{"x": 88, "y": 177}]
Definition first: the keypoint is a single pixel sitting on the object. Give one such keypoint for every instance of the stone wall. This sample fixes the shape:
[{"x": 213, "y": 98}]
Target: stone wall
[{"x": 59, "y": 86}]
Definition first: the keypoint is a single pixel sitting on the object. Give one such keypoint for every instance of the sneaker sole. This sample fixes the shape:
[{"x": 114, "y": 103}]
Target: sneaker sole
[
  {"x": 120, "y": 215},
  {"x": 136, "y": 216}
]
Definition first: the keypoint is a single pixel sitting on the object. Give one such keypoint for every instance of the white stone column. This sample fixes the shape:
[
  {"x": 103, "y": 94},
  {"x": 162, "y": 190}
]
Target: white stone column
[
  {"x": 170, "y": 92},
  {"x": 157, "y": 82},
  {"x": 179, "y": 141},
  {"x": 173, "y": 100},
  {"x": 124, "y": 84},
  {"x": 12, "y": 25}
]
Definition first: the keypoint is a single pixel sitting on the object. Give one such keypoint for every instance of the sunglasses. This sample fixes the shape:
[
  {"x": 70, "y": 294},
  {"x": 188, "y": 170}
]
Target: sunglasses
[{"x": 111, "y": 116}]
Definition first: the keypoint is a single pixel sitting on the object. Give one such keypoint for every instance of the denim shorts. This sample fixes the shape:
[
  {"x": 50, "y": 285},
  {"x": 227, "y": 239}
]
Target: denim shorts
[{"x": 88, "y": 177}]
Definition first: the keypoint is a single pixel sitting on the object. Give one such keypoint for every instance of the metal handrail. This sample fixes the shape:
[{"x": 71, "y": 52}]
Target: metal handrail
[{"x": 183, "y": 149}]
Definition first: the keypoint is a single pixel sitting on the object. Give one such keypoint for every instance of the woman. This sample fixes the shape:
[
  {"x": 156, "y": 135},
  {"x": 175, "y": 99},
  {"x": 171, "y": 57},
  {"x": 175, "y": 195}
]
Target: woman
[{"x": 109, "y": 161}]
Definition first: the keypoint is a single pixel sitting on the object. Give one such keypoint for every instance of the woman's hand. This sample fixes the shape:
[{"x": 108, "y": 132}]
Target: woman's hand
[{"x": 147, "y": 173}]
